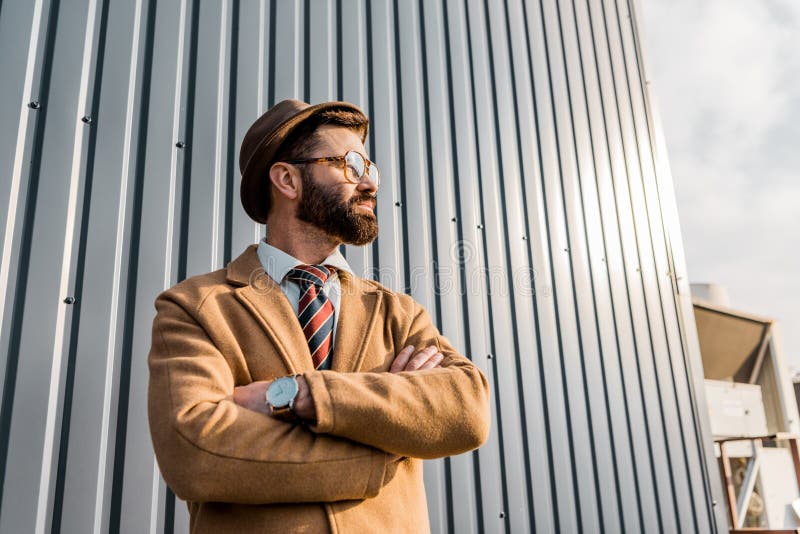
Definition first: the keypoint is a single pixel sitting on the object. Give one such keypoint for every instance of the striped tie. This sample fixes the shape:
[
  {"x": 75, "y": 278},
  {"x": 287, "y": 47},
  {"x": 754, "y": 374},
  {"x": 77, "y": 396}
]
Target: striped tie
[{"x": 315, "y": 311}]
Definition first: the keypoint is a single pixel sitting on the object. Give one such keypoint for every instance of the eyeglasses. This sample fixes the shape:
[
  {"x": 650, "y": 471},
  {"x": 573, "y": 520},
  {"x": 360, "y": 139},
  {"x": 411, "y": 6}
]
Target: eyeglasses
[{"x": 354, "y": 166}]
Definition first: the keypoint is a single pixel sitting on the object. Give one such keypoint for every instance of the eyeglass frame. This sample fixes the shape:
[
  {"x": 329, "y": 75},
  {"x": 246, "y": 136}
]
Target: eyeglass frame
[{"x": 343, "y": 159}]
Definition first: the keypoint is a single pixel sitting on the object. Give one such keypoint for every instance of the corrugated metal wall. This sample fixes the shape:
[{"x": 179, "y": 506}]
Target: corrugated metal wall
[{"x": 519, "y": 142}]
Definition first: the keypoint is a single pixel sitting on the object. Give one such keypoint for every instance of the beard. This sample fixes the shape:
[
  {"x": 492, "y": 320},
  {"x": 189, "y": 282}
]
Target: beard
[{"x": 324, "y": 207}]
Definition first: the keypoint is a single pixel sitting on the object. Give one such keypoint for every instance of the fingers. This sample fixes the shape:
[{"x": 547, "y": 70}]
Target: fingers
[
  {"x": 407, "y": 360},
  {"x": 434, "y": 361},
  {"x": 401, "y": 359},
  {"x": 423, "y": 357}
]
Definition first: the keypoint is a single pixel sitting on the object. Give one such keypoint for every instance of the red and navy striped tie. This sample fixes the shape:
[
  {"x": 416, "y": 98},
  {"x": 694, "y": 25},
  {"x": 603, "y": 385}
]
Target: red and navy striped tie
[{"x": 315, "y": 311}]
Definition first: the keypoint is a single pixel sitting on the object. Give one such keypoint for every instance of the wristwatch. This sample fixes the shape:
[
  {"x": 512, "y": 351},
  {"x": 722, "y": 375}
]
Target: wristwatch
[{"x": 281, "y": 394}]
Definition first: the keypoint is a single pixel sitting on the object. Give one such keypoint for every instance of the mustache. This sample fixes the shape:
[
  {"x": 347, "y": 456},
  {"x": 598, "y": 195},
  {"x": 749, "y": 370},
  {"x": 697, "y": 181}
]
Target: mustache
[{"x": 368, "y": 198}]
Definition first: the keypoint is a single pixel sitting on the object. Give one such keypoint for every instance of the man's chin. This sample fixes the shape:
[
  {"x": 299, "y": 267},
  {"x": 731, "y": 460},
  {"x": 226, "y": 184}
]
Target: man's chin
[
  {"x": 360, "y": 241},
  {"x": 355, "y": 238}
]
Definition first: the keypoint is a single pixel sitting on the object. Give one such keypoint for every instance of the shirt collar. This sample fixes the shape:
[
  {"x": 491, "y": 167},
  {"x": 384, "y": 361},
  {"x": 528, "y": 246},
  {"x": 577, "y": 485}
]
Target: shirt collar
[{"x": 277, "y": 263}]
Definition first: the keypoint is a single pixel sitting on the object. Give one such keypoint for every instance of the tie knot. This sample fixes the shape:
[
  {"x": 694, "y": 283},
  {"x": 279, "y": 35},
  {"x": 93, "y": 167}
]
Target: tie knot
[{"x": 311, "y": 274}]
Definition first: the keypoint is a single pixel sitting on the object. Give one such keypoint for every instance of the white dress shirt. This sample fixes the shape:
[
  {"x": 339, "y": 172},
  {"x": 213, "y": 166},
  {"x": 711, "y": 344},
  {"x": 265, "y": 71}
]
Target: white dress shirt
[{"x": 278, "y": 263}]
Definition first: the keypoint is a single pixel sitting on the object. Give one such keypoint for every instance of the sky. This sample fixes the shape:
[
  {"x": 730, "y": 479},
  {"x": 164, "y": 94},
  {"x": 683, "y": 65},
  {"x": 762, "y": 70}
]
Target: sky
[{"x": 726, "y": 77}]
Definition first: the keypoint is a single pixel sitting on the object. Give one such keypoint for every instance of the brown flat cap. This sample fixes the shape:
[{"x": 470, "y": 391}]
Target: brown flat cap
[{"x": 262, "y": 141}]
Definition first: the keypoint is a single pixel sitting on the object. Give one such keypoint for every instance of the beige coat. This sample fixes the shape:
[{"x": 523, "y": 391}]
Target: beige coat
[{"x": 242, "y": 471}]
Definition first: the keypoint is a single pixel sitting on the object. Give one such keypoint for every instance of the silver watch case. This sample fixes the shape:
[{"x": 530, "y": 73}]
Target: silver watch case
[{"x": 282, "y": 392}]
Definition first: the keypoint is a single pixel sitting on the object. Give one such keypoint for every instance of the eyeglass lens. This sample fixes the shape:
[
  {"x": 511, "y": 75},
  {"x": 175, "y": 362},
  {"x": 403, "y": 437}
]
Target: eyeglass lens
[{"x": 356, "y": 167}]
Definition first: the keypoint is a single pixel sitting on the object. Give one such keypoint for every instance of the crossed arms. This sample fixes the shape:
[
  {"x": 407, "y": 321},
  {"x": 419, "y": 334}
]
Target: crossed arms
[{"x": 210, "y": 448}]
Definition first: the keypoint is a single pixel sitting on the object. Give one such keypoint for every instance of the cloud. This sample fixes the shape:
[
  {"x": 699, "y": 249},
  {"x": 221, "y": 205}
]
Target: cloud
[{"x": 727, "y": 77}]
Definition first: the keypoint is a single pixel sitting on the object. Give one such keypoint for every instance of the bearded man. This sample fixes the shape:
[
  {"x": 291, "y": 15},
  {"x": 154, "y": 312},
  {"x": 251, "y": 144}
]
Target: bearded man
[{"x": 286, "y": 393}]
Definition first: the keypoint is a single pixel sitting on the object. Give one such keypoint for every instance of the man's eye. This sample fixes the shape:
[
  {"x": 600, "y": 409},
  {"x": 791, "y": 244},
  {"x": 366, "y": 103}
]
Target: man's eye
[{"x": 352, "y": 171}]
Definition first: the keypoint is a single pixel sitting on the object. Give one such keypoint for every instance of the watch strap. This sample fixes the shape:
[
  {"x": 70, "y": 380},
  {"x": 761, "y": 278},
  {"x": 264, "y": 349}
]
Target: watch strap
[{"x": 284, "y": 413}]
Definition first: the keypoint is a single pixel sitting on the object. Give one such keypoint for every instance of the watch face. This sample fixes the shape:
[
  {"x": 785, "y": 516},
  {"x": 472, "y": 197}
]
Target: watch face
[{"x": 281, "y": 391}]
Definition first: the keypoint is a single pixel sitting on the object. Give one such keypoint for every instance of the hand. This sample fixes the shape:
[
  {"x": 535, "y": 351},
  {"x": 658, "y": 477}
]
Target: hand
[
  {"x": 253, "y": 397},
  {"x": 304, "y": 405},
  {"x": 427, "y": 358}
]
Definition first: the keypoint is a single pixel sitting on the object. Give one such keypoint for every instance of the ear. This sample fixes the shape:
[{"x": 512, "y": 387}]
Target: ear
[{"x": 285, "y": 179}]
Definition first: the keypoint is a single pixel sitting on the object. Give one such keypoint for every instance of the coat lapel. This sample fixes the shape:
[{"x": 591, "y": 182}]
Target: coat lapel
[
  {"x": 357, "y": 318},
  {"x": 265, "y": 300}
]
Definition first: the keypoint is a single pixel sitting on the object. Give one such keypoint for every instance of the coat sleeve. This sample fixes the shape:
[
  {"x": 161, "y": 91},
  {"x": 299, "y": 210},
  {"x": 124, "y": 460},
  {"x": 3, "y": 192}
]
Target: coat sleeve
[
  {"x": 210, "y": 449},
  {"x": 422, "y": 414}
]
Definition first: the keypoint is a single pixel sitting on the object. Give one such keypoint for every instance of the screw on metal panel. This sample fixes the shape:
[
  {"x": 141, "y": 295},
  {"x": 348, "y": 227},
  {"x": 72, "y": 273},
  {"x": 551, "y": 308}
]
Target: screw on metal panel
[
  {"x": 34, "y": 104},
  {"x": 180, "y": 144},
  {"x": 714, "y": 502},
  {"x": 602, "y": 259},
  {"x": 86, "y": 119},
  {"x": 69, "y": 300},
  {"x": 638, "y": 270},
  {"x": 502, "y": 515},
  {"x": 566, "y": 250},
  {"x": 398, "y": 203},
  {"x": 524, "y": 238},
  {"x": 454, "y": 219},
  {"x": 490, "y": 356},
  {"x": 480, "y": 227}
]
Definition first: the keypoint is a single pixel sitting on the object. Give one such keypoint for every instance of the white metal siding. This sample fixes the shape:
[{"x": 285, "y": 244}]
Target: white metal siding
[{"x": 517, "y": 139}]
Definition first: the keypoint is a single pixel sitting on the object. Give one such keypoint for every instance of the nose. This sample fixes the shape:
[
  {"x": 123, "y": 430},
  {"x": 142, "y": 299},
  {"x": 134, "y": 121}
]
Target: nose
[{"x": 366, "y": 184}]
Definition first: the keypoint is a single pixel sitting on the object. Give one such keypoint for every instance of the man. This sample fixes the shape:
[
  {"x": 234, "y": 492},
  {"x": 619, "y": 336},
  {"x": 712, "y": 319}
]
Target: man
[{"x": 264, "y": 425}]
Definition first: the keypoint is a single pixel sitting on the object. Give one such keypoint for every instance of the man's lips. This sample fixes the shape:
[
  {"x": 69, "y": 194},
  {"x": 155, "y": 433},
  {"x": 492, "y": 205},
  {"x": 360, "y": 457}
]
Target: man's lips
[{"x": 366, "y": 204}]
